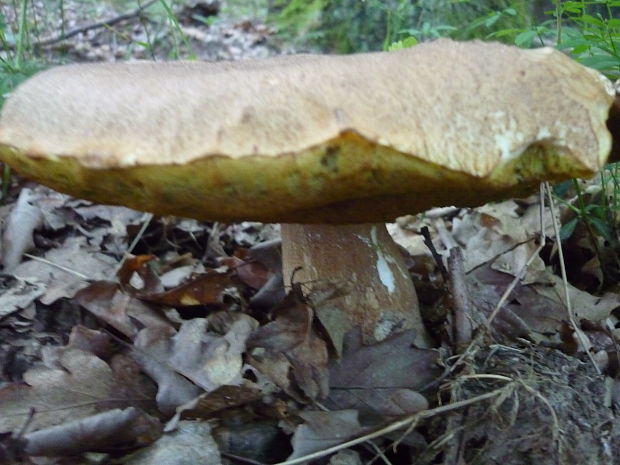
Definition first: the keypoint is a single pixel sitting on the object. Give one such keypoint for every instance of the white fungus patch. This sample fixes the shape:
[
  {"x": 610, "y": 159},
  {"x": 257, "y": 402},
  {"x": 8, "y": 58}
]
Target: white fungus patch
[{"x": 383, "y": 268}]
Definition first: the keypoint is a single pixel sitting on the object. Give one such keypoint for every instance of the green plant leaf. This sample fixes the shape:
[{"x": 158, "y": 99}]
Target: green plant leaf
[
  {"x": 588, "y": 19},
  {"x": 601, "y": 62},
  {"x": 613, "y": 22},
  {"x": 568, "y": 229},
  {"x": 492, "y": 19},
  {"x": 601, "y": 227},
  {"x": 525, "y": 38},
  {"x": 404, "y": 43}
]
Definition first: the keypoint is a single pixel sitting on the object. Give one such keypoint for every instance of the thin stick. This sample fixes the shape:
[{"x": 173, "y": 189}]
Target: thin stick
[
  {"x": 585, "y": 342},
  {"x": 240, "y": 458},
  {"x": 521, "y": 274},
  {"x": 495, "y": 257},
  {"x": 56, "y": 265},
  {"x": 146, "y": 220},
  {"x": 429, "y": 244},
  {"x": 395, "y": 426},
  {"x": 89, "y": 27},
  {"x": 462, "y": 330}
]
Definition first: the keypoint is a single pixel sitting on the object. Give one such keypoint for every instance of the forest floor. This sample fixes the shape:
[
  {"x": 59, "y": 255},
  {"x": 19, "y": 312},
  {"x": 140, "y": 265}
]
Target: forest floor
[{"x": 136, "y": 339}]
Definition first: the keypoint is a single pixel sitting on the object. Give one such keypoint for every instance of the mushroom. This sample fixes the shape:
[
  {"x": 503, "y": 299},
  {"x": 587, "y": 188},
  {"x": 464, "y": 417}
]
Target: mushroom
[{"x": 330, "y": 146}]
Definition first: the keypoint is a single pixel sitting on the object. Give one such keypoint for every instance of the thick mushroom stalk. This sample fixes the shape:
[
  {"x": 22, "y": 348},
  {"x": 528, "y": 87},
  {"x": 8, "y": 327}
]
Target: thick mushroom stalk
[{"x": 378, "y": 296}]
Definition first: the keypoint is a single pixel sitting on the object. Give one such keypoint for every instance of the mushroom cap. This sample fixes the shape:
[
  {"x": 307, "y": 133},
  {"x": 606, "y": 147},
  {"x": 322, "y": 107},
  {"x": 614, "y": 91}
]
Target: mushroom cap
[{"x": 312, "y": 139}]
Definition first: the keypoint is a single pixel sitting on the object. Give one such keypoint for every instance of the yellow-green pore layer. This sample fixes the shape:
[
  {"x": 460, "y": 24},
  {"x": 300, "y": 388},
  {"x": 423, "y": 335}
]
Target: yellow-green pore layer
[{"x": 346, "y": 180}]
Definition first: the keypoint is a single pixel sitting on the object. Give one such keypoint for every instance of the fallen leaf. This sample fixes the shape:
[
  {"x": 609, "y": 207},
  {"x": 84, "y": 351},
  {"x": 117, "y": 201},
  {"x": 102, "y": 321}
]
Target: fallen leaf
[
  {"x": 322, "y": 430},
  {"x": 259, "y": 441},
  {"x": 345, "y": 457},
  {"x": 496, "y": 234},
  {"x": 382, "y": 379},
  {"x": 293, "y": 335},
  {"x": 250, "y": 272},
  {"x": 74, "y": 264},
  {"x": 209, "y": 288},
  {"x": 210, "y": 404},
  {"x": 190, "y": 443},
  {"x": 17, "y": 293},
  {"x": 105, "y": 431},
  {"x": 108, "y": 303},
  {"x": 96, "y": 342},
  {"x": 206, "y": 359},
  {"x": 536, "y": 310},
  {"x": 81, "y": 386}
]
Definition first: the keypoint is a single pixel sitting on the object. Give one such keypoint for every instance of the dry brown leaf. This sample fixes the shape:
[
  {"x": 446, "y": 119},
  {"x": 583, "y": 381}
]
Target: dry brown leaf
[
  {"x": 272, "y": 293},
  {"x": 324, "y": 429},
  {"x": 106, "y": 301},
  {"x": 17, "y": 293},
  {"x": 93, "y": 341},
  {"x": 537, "y": 310},
  {"x": 101, "y": 432},
  {"x": 498, "y": 235},
  {"x": 211, "y": 404},
  {"x": 293, "y": 335},
  {"x": 206, "y": 359},
  {"x": 139, "y": 266},
  {"x": 585, "y": 306},
  {"x": 73, "y": 264},
  {"x": 208, "y": 288},
  {"x": 190, "y": 443},
  {"x": 81, "y": 386},
  {"x": 382, "y": 379},
  {"x": 249, "y": 271},
  {"x": 173, "y": 389}
]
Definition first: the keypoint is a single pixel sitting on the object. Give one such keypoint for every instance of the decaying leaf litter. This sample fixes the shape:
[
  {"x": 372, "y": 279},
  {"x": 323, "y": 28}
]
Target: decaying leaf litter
[{"x": 187, "y": 344}]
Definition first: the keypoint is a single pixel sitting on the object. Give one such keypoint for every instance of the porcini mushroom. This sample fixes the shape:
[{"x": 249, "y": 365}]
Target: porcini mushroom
[{"x": 316, "y": 142}]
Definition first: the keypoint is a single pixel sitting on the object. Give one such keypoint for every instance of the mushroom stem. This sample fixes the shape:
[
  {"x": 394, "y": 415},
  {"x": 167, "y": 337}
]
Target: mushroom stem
[{"x": 362, "y": 260}]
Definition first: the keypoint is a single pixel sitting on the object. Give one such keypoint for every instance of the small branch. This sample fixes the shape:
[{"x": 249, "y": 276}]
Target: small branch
[
  {"x": 583, "y": 339},
  {"x": 461, "y": 305},
  {"x": 404, "y": 423},
  {"x": 89, "y": 27},
  {"x": 56, "y": 265},
  {"x": 429, "y": 244},
  {"x": 522, "y": 272}
]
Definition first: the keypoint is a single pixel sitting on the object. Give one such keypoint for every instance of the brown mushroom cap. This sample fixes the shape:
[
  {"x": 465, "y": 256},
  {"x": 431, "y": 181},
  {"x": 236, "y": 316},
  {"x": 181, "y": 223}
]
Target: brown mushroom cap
[{"x": 312, "y": 139}]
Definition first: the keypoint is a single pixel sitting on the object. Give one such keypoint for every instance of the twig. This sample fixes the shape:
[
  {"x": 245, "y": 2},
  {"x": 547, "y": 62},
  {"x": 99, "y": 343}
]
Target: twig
[
  {"x": 521, "y": 274},
  {"x": 56, "y": 265},
  {"x": 453, "y": 450},
  {"x": 585, "y": 342},
  {"x": 474, "y": 345},
  {"x": 405, "y": 422},
  {"x": 146, "y": 220},
  {"x": 240, "y": 458},
  {"x": 429, "y": 243},
  {"x": 503, "y": 252},
  {"x": 461, "y": 305},
  {"x": 378, "y": 454},
  {"x": 89, "y": 27}
]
